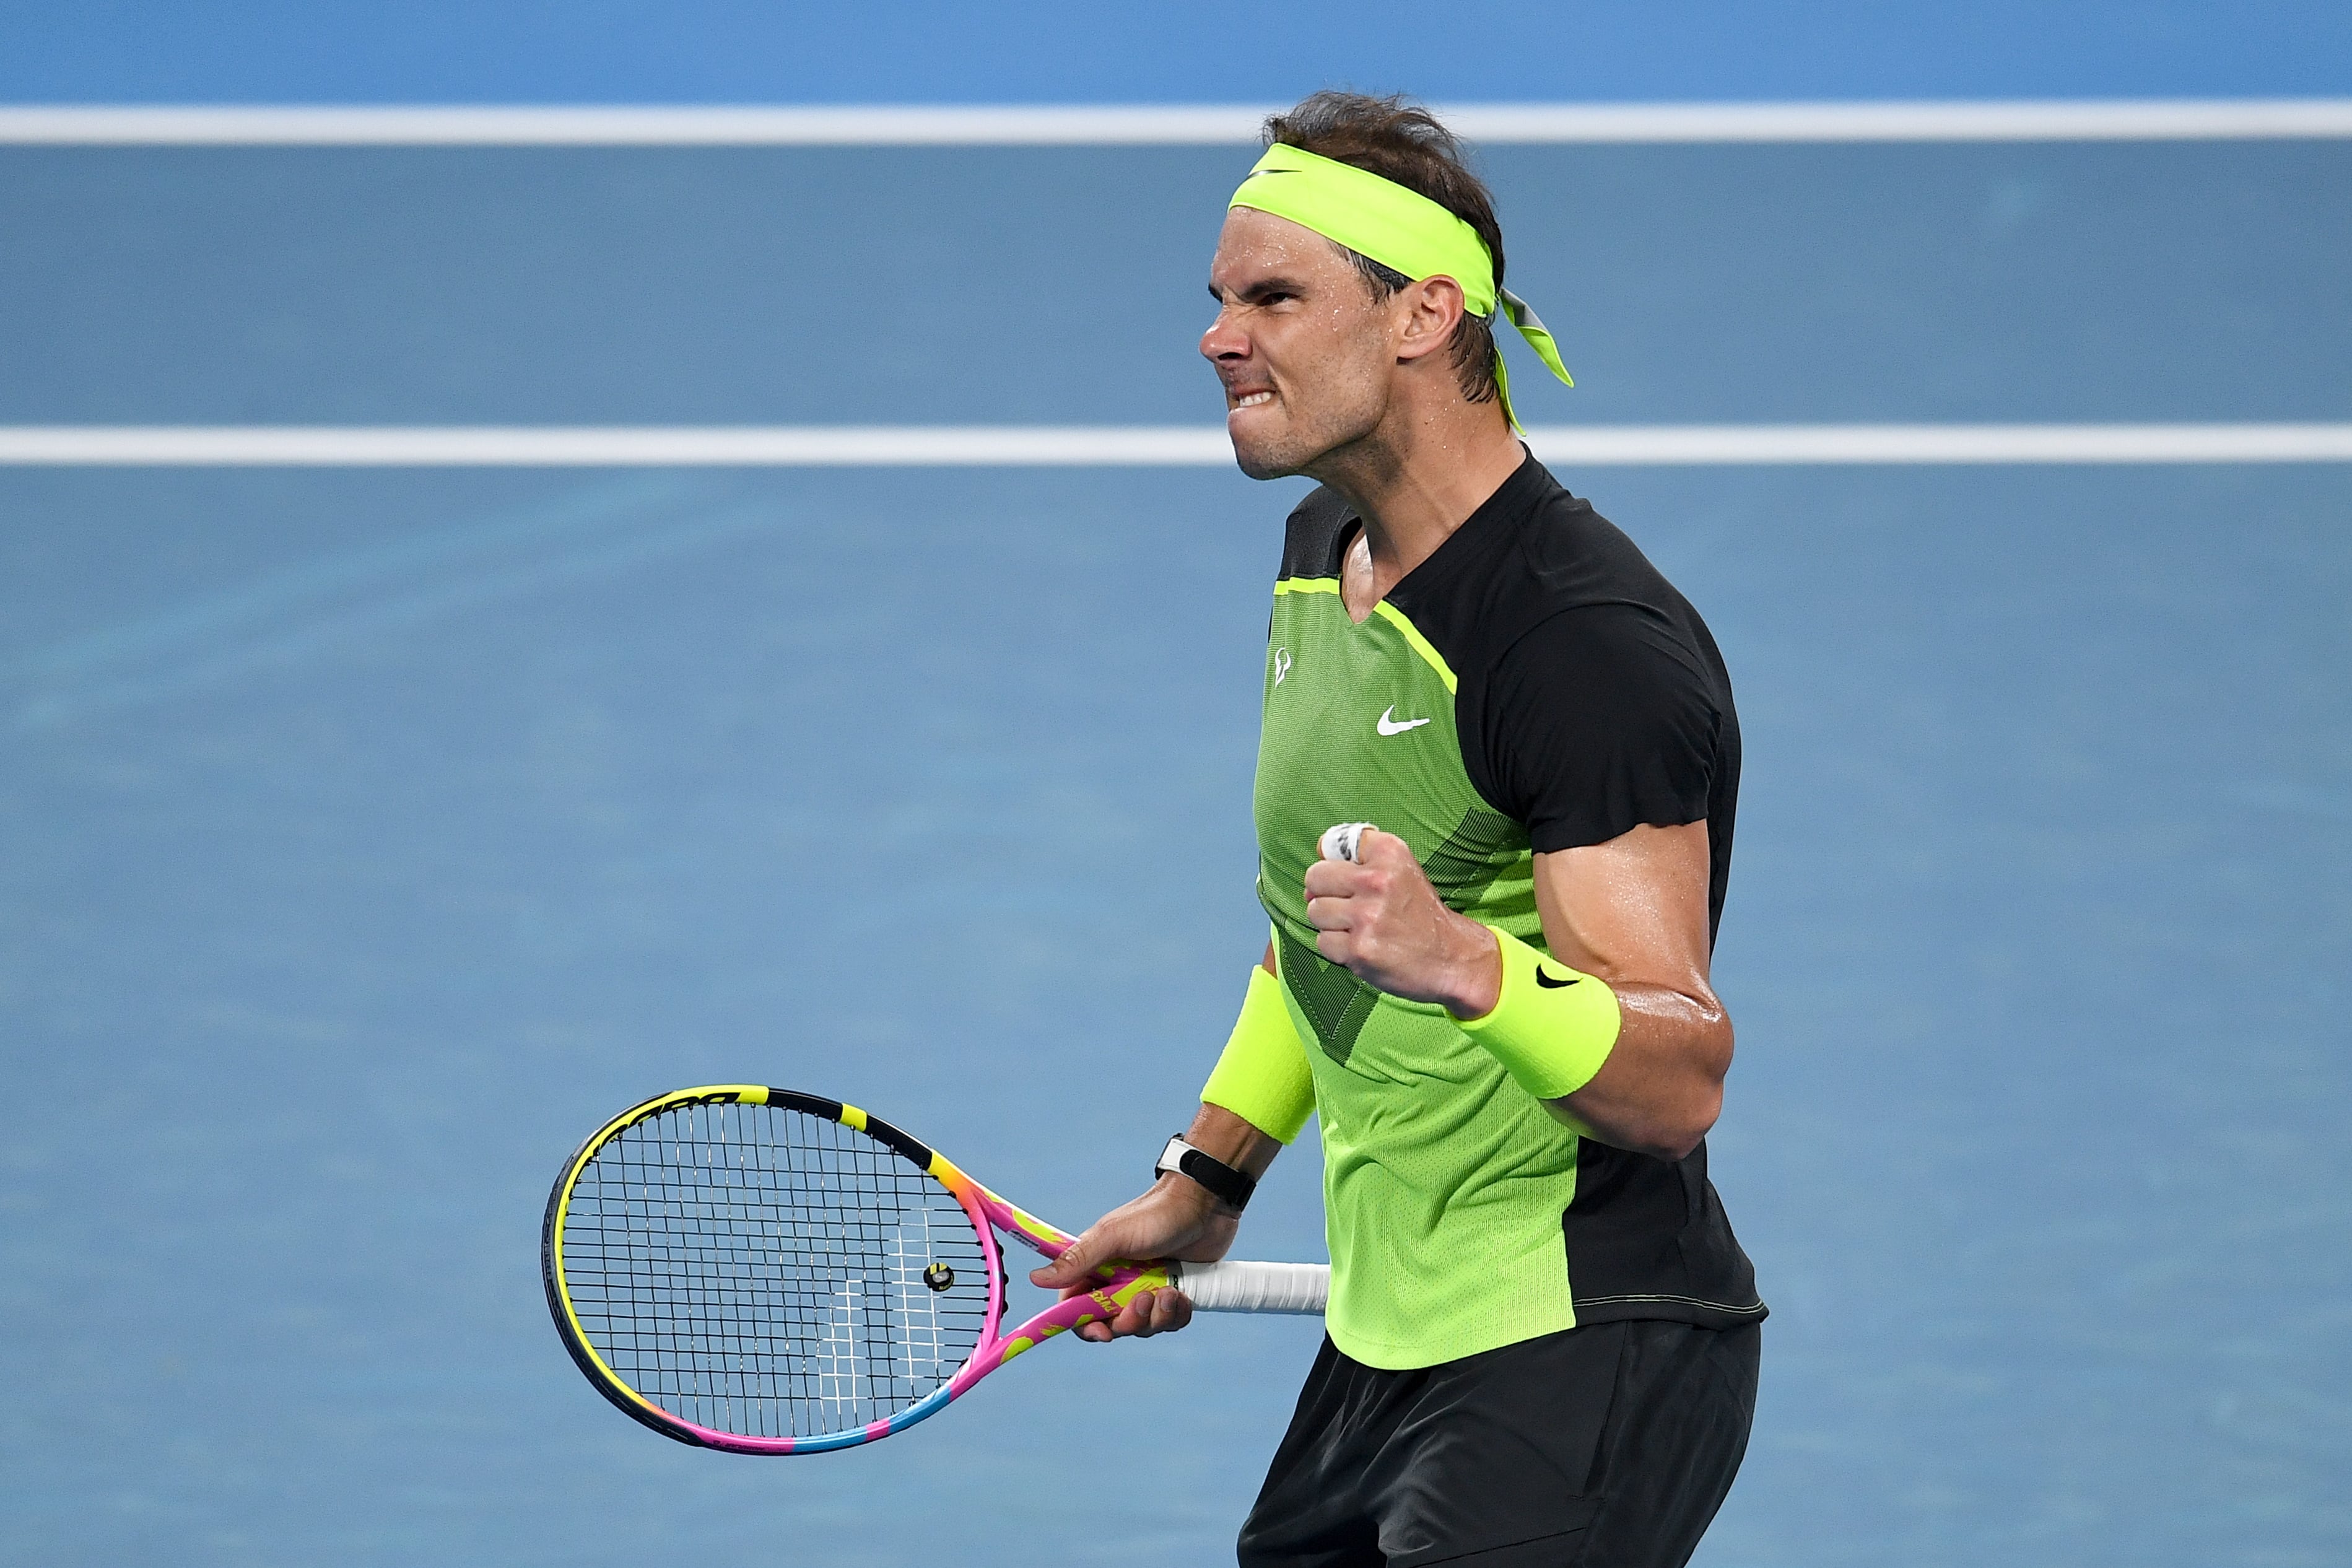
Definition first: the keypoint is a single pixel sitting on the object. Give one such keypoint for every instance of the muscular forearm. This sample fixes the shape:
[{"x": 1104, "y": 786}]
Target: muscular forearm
[{"x": 1662, "y": 1086}]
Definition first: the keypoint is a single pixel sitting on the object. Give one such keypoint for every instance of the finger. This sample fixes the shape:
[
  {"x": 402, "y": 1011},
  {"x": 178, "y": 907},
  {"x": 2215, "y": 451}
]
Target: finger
[
  {"x": 1135, "y": 1318},
  {"x": 1170, "y": 1310},
  {"x": 1385, "y": 852},
  {"x": 1106, "y": 1329},
  {"x": 1332, "y": 914},
  {"x": 1335, "y": 946},
  {"x": 1333, "y": 879},
  {"x": 1074, "y": 1263}
]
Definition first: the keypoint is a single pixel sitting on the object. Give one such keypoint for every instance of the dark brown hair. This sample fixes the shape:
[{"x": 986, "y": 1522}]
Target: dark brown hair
[{"x": 1403, "y": 142}]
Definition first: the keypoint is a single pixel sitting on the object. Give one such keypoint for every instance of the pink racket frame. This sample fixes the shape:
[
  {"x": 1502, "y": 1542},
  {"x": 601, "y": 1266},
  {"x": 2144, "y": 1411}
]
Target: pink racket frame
[{"x": 990, "y": 1217}]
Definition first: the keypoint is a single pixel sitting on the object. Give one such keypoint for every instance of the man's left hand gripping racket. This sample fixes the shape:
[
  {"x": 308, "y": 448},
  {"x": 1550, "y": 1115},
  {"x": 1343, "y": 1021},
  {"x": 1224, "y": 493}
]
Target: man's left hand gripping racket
[{"x": 769, "y": 1272}]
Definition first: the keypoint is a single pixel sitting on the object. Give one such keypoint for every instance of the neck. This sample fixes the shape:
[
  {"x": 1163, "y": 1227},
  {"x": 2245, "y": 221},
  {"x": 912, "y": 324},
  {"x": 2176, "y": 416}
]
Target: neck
[{"x": 1417, "y": 477}]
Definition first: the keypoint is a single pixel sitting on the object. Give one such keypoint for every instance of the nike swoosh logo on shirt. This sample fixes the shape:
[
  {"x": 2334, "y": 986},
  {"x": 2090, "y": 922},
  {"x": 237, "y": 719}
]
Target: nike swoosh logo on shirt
[
  {"x": 1548, "y": 983},
  {"x": 1390, "y": 726}
]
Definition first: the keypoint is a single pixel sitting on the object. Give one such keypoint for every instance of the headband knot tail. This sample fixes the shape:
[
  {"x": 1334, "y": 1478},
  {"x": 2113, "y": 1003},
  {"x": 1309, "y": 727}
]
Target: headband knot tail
[{"x": 1538, "y": 336}]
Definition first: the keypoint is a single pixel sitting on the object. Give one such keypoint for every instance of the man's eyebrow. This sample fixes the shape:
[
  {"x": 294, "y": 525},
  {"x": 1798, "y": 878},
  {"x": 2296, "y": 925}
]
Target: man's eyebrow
[{"x": 1261, "y": 288}]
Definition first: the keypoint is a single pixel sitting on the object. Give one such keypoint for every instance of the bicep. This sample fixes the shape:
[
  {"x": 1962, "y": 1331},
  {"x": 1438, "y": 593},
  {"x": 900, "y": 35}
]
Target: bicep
[
  {"x": 1632, "y": 911},
  {"x": 1596, "y": 721},
  {"x": 1603, "y": 734}
]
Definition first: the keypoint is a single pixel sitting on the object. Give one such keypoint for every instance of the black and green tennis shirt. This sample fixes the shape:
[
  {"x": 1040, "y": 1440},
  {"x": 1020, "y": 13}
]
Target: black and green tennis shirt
[{"x": 1534, "y": 685}]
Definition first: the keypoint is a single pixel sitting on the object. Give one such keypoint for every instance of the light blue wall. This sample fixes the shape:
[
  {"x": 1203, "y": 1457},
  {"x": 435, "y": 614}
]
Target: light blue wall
[{"x": 706, "y": 50}]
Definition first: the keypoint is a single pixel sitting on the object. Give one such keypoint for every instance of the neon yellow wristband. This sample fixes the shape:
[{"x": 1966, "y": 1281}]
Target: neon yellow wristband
[
  {"x": 1552, "y": 1027},
  {"x": 1262, "y": 1077}
]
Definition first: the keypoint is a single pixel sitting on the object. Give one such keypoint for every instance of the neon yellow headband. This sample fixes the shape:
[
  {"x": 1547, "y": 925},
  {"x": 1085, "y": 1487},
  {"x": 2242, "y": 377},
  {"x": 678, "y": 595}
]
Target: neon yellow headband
[{"x": 1400, "y": 229}]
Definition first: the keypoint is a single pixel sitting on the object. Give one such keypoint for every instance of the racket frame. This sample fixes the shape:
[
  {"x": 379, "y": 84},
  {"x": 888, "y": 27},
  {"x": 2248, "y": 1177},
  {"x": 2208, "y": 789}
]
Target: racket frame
[{"x": 990, "y": 1216}]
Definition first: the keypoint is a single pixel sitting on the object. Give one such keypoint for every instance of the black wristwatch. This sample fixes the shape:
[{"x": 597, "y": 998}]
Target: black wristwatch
[{"x": 1222, "y": 1180}]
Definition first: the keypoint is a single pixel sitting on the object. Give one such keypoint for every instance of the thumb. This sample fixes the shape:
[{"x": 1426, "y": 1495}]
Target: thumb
[
  {"x": 1077, "y": 1263},
  {"x": 1383, "y": 850}
]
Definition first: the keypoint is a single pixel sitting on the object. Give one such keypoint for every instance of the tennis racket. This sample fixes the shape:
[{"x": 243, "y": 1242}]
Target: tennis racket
[{"x": 769, "y": 1272}]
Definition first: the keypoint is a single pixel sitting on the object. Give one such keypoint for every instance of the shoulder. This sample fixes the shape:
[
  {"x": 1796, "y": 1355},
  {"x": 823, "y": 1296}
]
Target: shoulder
[
  {"x": 1598, "y": 719},
  {"x": 1592, "y": 697},
  {"x": 1615, "y": 656},
  {"x": 1578, "y": 608},
  {"x": 1311, "y": 538},
  {"x": 1534, "y": 556},
  {"x": 1564, "y": 555}
]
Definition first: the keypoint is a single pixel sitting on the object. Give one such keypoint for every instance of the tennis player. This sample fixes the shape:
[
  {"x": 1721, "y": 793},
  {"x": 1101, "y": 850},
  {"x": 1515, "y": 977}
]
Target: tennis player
[{"x": 1543, "y": 1337}]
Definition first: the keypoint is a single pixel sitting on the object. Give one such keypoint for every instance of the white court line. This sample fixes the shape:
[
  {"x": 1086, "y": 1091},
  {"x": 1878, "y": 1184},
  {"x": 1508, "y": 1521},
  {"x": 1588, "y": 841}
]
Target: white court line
[
  {"x": 502, "y": 125},
  {"x": 1113, "y": 446}
]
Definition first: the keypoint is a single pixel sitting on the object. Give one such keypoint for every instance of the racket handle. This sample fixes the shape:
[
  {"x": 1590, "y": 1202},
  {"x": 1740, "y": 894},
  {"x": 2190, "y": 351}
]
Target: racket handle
[{"x": 1299, "y": 1287}]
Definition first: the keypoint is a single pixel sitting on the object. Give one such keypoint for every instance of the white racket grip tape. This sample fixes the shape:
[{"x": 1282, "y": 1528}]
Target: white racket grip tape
[
  {"x": 1341, "y": 839},
  {"x": 1298, "y": 1287}
]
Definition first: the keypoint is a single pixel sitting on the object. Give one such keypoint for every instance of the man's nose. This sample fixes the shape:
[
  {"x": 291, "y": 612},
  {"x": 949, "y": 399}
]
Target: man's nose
[{"x": 1223, "y": 340}]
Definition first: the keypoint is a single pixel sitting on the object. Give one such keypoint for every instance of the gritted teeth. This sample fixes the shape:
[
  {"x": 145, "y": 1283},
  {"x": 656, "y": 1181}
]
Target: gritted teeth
[{"x": 1253, "y": 399}]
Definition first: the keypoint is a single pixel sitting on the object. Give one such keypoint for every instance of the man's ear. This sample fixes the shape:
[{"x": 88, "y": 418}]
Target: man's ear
[{"x": 1433, "y": 309}]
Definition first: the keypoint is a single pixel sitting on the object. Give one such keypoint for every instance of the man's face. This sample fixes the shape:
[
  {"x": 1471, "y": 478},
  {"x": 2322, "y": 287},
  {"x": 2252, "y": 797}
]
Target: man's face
[{"x": 1306, "y": 353}]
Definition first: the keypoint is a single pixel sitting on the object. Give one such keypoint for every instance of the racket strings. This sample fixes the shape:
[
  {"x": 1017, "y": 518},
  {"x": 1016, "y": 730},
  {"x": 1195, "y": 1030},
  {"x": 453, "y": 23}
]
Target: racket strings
[{"x": 765, "y": 1272}]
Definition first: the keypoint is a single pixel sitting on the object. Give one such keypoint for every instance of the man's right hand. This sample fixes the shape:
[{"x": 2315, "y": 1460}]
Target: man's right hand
[
  {"x": 1178, "y": 1219},
  {"x": 1175, "y": 1219}
]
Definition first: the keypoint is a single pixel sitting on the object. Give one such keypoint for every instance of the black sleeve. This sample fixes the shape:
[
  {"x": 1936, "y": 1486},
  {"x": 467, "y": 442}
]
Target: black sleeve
[{"x": 1597, "y": 721}]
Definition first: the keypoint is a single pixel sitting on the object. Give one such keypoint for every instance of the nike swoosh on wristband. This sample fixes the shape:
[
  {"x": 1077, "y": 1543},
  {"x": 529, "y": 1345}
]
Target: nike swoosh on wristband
[
  {"x": 1548, "y": 983},
  {"x": 1389, "y": 725}
]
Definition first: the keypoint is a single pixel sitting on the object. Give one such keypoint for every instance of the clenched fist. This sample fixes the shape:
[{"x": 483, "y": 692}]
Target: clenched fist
[{"x": 1379, "y": 918}]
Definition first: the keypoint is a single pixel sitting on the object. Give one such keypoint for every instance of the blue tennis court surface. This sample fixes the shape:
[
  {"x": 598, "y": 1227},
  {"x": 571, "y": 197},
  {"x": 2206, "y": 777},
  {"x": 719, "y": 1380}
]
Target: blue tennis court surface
[{"x": 371, "y": 835}]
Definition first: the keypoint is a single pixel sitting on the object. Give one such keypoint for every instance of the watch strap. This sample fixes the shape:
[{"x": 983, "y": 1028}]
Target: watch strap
[{"x": 1221, "y": 1180}]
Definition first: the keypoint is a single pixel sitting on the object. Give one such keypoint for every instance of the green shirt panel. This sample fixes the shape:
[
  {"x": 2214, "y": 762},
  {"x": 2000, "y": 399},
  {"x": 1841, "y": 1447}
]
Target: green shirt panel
[{"x": 1443, "y": 1181}]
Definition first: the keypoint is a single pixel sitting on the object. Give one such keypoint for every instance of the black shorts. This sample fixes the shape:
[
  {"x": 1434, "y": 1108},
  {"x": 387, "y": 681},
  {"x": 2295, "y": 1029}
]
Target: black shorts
[{"x": 1606, "y": 1446}]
